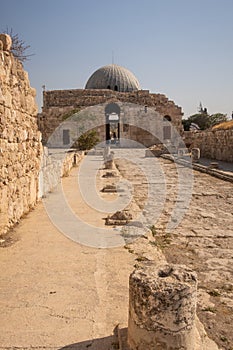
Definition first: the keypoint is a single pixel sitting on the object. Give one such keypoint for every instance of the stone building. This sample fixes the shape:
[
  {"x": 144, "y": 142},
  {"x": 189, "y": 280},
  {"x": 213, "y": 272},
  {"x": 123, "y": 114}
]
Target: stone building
[{"x": 111, "y": 87}]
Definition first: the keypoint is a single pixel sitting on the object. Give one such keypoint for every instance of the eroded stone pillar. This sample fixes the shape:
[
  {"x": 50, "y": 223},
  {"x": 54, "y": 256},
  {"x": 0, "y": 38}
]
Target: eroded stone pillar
[
  {"x": 195, "y": 154},
  {"x": 108, "y": 162},
  {"x": 162, "y": 308},
  {"x": 106, "y": 152}
]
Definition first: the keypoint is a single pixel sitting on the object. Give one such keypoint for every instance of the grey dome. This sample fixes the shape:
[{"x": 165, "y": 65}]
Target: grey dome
[{"x": 113, "y": 77}]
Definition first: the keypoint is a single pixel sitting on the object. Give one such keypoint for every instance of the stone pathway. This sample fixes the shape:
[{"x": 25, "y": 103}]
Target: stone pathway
[
  {"x": 58, "y": 294},
  {"x": 203, "y": 241},
  {"x": 55, "y": 292}
]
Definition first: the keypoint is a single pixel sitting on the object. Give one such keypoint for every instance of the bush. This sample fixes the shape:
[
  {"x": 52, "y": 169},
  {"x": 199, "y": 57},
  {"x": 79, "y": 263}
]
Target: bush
[{"x": 87, "y": 140}]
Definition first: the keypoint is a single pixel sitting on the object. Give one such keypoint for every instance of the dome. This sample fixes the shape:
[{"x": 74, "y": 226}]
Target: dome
[{"x": 113, "y": 77}]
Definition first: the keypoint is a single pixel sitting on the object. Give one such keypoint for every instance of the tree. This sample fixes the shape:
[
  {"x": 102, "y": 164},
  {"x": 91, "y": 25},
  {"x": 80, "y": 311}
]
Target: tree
[
  {"x": 204, "y": 120},
  {"x": 201, "y": 119},
  {"x": 186, "y": 124},
  {"x": 19, "y": 47},
  {"x": 87, "y": 140},
  {"x": 217, "y": 118}
]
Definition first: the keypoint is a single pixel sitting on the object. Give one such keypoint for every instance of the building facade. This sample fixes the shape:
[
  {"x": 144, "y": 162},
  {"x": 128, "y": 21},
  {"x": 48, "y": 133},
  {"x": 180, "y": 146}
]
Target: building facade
[{"x": 111, "y": 87}]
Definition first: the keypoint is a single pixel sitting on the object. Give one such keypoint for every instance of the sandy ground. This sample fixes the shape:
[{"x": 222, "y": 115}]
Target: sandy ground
[{"x": 56, "y": 293}]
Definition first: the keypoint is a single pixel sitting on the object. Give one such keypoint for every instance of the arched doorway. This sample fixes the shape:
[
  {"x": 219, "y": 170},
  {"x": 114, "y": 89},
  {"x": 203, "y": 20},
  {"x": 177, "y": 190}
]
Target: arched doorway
[{"x": 112, "y": 115}]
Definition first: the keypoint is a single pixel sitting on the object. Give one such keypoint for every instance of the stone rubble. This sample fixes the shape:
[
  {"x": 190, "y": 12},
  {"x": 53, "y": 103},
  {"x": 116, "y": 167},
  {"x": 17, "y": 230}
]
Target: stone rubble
[{"x": 119, "y": 218}]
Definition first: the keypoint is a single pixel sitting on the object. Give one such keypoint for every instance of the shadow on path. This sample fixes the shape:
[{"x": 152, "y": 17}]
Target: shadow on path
[
  {"x": 107, "y": 343},
  {"x": 224, "y": 166}
]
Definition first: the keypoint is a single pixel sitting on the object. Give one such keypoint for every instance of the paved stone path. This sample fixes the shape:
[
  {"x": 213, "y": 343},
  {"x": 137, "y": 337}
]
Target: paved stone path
[
  {"x": 203, "y": 241},
  {"x": 56, "y": 292}
]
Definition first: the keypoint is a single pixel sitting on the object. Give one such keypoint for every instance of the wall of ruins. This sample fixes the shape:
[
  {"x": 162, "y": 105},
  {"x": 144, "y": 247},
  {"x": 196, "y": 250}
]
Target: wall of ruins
[
  {"x": 20, "y": 140},
  {"x": 27, "y": 170},
  {"x": 54, "y": 165},
  {"x": 60, "y": 104},
  {"x": 145, "y": 128},
  {"x": 216, "y": 144}
]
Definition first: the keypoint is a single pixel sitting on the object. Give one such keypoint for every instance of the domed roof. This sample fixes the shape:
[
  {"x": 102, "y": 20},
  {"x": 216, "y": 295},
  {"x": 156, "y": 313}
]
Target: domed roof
[{"x": 113, "y": 77}]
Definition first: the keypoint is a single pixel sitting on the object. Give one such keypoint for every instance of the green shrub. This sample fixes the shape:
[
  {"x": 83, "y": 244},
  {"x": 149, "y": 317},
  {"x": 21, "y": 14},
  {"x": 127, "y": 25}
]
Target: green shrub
[{"x": 87, "y": 140}]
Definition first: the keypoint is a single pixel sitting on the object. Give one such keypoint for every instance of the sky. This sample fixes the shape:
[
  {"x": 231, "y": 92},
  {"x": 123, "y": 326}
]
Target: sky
[{"x": 180, "y": 48}]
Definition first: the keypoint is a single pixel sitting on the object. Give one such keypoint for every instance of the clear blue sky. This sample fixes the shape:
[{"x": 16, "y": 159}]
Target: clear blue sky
[{"x": 182, "y": 48}]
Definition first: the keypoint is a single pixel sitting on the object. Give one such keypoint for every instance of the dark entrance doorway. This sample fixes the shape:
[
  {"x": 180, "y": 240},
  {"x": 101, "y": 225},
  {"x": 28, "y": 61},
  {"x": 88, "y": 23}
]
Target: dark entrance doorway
[
  {"x": 112, "y": 115},
  {"x": 167, "y": 132}
]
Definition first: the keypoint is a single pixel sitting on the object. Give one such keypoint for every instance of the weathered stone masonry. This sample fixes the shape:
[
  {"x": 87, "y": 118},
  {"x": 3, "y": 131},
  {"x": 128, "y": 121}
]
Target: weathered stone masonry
[
  {"x": 216, "y": 144},
  {"x": 27, "y": 170},
  {"x": 58, "y": 103},
  {"x": 20, "y": 145}
]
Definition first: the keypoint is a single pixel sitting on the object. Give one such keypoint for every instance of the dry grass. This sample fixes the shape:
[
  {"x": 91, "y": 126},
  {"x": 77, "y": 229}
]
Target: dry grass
[{"x": 224, "y": 126}]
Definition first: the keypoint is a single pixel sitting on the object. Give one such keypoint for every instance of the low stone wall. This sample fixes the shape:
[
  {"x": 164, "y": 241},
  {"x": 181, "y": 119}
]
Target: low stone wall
[
  {"x": 20, "y": 139},
  {"x": 54, "y": 165},
  {"x": 216, "y": 144}
]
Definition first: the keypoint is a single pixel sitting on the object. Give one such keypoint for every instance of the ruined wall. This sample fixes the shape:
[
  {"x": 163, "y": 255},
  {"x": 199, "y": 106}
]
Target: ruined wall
[
  {"x": 20, "y": 146},
  {"x": 216, "y": 144},
  {"x": 55, "y": 165},
  {"x": 59, "y": 104},
  {"x": 145, "y": 128}
]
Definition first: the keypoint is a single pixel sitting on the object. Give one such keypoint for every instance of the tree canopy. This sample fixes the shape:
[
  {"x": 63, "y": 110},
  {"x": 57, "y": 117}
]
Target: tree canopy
[{"x": 204, "y": 120}]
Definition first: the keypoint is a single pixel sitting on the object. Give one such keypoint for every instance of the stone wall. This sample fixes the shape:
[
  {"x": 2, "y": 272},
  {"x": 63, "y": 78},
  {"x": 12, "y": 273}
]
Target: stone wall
[
  {"x": 54, "y": 165},
  {"x": 59, "y": 104},
  {"x": 20, "y": 140},
  {"x": 216, "y": 144},
  {"x": 143, "y": 128}
]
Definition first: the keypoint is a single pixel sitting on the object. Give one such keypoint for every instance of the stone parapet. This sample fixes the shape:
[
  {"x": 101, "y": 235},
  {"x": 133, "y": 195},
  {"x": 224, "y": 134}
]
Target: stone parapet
[{"x": 55, "y": 165}]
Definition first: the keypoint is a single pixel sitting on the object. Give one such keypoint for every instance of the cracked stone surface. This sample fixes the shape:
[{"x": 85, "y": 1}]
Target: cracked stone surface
[
  {"x": 58, "y": 294},
  {"x": 203, "y": 241}
]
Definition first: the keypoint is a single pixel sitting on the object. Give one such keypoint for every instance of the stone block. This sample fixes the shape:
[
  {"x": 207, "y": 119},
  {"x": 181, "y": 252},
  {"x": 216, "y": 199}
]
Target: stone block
[
  {"x": 6, "y": 42},
  {"x": 162, "y": 307}
]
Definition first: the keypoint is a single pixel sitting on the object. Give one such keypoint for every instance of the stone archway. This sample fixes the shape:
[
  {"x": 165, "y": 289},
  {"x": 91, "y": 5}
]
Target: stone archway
[{"x": 112, "y": 117}]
